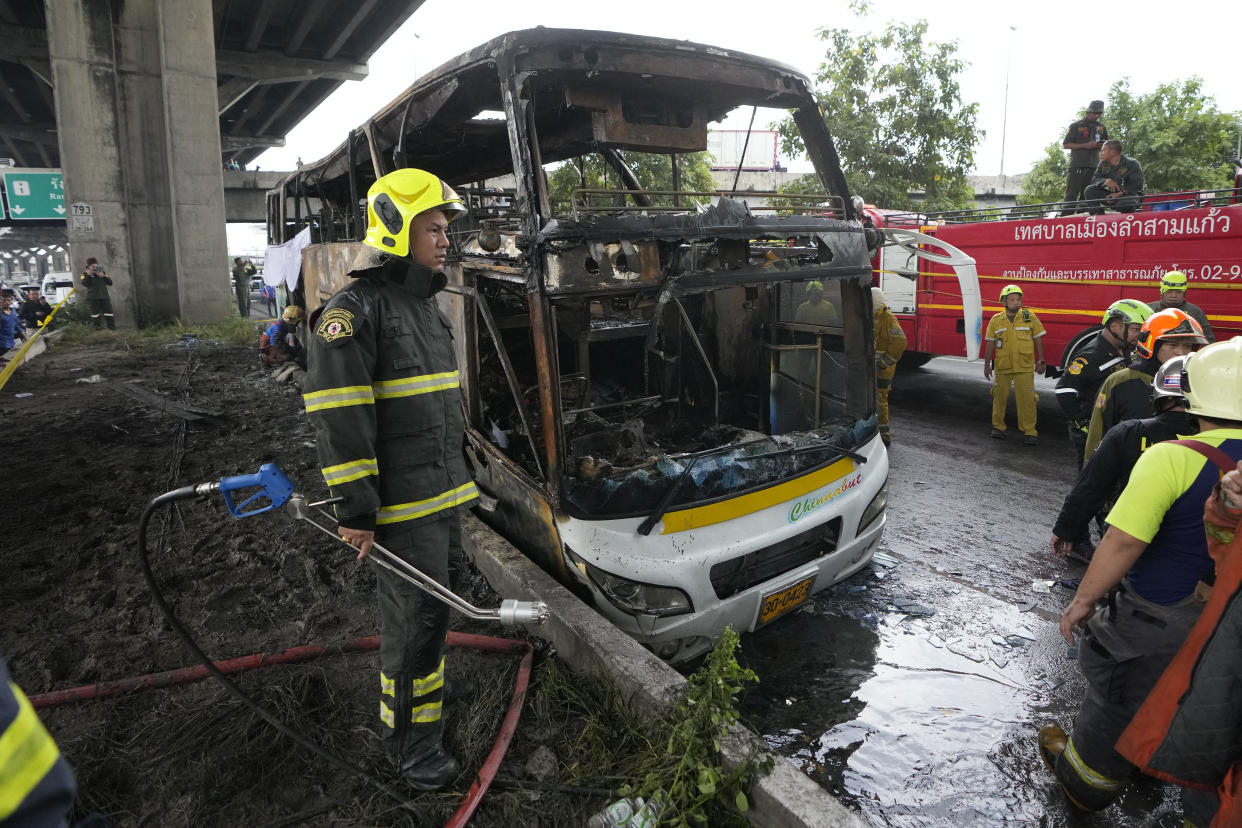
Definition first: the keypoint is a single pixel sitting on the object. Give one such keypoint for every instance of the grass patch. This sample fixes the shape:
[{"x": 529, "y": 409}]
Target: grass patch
[{"x": 77, "y": 329}]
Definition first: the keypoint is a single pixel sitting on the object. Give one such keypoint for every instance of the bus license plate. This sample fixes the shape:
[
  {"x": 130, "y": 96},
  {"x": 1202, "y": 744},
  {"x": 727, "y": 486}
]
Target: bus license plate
[{"x": 779, "y": 603}]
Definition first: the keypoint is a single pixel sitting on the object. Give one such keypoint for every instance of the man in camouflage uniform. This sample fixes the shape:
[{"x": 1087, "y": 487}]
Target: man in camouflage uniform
[
  {"x": 384, "y": 395},
  {"x": 1118, "y": 182},
  {"x": 1107, "y": 353},
  {"x": 1083, "y": 139}
]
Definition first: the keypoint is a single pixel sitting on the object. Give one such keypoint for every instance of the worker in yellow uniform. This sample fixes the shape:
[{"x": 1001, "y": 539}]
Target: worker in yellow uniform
[
  {"x": 1015, "y": 350},
  {"x": 890, "y": 344},
  {"x": 816, "y": 310}
]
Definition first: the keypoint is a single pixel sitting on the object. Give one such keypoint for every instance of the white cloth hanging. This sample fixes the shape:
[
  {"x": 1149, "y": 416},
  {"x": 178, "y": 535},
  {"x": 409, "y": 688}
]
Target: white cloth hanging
[{"x": 283, "y": 262}]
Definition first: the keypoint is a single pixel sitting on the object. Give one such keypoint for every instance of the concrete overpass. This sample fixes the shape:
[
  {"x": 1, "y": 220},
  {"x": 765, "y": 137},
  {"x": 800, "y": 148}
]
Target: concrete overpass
[
  {"x": 140, "y": 102},
  {"x": 39, "y": 248}
]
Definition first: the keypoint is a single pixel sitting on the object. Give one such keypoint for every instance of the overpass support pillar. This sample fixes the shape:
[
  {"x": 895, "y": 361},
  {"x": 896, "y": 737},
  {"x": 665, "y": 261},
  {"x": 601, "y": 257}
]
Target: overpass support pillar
[{"x": 137, "y": 109}]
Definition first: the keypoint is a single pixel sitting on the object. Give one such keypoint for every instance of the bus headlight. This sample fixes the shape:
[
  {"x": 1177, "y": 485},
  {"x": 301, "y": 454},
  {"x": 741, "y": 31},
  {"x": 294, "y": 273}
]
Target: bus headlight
[
  {"x": 638, "y": 598},
  {"x": 874, "y": 509}
]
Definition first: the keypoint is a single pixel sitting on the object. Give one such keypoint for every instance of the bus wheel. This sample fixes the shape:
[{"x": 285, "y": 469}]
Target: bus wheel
[{"x": 1080, "y": 341}]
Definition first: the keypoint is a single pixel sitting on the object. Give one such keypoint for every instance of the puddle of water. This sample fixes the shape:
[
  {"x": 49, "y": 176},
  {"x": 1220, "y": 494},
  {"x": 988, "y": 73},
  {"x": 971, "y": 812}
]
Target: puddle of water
[{"x": 913, "y": 734}]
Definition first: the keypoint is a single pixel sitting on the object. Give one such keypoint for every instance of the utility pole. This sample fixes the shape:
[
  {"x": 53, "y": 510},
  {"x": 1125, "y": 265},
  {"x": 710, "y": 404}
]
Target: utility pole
[{"x": 1005, "y": 116}]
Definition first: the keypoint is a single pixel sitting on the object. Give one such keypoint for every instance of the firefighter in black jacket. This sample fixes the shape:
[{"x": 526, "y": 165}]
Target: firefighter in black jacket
[
  {"x": 1126, "y": 395},
  {"x": 384, "y": 395},
  {"x": 1107, "y": 353},
  {"x": 1109, "y": 468}
]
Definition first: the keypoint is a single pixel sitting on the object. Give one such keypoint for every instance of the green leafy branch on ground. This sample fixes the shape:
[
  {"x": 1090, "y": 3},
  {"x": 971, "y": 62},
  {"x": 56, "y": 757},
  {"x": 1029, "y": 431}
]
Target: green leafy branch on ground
[{"x": 688, "y": 777}]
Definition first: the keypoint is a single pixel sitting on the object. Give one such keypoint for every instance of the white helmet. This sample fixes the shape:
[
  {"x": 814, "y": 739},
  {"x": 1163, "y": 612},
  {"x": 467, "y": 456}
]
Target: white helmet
[
  {"x": 1212, "y": 380},
  {"x": 877, "y": 298}
]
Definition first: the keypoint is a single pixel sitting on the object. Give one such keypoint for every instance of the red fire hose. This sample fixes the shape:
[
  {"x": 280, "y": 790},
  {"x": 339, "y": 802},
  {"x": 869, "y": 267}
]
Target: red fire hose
[{"x": 482, "y": 780}]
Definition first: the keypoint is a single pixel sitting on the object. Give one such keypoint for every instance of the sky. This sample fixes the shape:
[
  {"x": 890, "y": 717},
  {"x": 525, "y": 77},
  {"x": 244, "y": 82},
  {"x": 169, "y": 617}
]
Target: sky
[{"x": 1052, "y": 74}]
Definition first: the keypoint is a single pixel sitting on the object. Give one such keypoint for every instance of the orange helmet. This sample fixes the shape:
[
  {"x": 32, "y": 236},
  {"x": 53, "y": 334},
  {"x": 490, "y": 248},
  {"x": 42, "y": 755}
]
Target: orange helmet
[{"x": 1170, "y": 323}]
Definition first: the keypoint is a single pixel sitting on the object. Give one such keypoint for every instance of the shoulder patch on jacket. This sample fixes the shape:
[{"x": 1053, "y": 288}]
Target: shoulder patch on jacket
[
  {"x": 336, "y": 323},
  {"x": 1077, "y": 365},
  {"x": 1101, "y": 400}
]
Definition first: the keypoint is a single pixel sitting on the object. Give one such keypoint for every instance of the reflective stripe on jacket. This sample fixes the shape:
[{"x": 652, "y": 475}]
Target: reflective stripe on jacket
[
  {"x": 36, "y": 785},
  {"x": 384, "y": 395}
]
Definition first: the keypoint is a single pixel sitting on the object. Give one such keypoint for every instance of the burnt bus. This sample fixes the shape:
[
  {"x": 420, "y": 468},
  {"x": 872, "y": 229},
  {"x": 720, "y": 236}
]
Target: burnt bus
[{"x": 670, "y": 394}]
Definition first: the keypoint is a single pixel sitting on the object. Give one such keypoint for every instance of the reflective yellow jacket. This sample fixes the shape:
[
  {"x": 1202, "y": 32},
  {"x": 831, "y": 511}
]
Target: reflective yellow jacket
[
  {"x": 1014, "y": 340},
  {"x": 890, "y": 342}
]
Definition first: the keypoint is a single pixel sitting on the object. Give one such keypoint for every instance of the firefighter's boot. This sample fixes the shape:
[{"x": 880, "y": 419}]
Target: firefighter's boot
[
  {"x": 431, "y": 772},
  {"x": 1052, "y": 740}
]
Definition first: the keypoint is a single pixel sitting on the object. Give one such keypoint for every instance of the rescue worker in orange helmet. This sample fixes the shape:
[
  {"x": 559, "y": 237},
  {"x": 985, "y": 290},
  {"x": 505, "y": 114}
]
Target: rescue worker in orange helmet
[
  {"x": 384, "y": 395},
  {"x": 890, "y": 344},
  {"x": 1126, "y": 395},
  {"x": 1141, "y": 595},
  {"x": 1015, "y": 349}
]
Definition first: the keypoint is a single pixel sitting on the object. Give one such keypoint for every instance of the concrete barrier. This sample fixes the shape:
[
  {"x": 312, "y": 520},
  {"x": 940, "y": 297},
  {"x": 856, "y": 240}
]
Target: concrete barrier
[{"x": 588, "y": 643}]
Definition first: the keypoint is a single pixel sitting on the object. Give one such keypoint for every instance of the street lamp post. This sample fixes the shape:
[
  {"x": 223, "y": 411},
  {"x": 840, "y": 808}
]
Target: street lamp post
[{"x": 1005, "y": 115}]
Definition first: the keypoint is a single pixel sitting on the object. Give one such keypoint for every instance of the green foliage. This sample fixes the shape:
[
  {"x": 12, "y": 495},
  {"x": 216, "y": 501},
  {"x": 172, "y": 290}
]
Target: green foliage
[
  {"x": 893, "y": 105},
  {"x": 79, "y": 328},
  {"x": 1046, "y": 181},
  {"x": 1177, "y": 133},
  {"x": 687, "y": 777},
  {"x": 654, "y": 172}
]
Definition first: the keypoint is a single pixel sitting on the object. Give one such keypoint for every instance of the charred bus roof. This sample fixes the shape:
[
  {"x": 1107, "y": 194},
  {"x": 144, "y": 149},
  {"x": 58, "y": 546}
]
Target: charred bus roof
[{"x": 536, "y": 97}]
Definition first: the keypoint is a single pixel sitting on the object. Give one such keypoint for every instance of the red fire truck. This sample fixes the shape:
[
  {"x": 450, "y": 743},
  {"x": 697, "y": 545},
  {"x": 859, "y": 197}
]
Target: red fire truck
[{"x": 1070, "y": 269}]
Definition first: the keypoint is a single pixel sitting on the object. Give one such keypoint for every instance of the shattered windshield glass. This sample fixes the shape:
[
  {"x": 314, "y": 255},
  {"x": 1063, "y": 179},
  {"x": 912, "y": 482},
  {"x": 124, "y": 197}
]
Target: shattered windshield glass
[{"x": 747, "y": 461}]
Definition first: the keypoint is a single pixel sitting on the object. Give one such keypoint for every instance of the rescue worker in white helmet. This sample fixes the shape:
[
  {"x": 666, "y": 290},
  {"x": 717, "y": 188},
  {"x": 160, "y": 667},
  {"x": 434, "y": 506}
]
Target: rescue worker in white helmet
[
  {"x": 1126, "y": 395},
  {"x": 890, "y": 344},
  {"x": 1105, "y": 354},
  {"x": 1141, "y": 594},
  {"x": 1015, "y": 349},
  {"x": 1108, "y": 471},
  {"x": 383, "y": 393},
  {"x": 1173, "y": 295}
]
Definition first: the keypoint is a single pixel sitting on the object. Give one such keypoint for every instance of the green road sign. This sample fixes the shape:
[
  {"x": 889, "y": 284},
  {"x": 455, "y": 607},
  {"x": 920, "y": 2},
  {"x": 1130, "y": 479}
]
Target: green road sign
[{"x": 35, "y": 196}]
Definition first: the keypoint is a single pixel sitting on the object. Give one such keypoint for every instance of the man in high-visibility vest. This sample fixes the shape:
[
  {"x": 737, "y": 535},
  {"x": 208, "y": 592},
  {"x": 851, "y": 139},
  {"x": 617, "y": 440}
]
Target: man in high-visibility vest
[{"x": 1143, "y": 590}]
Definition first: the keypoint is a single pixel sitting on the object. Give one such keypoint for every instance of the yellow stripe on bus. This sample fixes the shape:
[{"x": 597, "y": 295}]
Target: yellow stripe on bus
[
  {"x": 1069, "y": 312},
  {"x": 746, "y": 504}
]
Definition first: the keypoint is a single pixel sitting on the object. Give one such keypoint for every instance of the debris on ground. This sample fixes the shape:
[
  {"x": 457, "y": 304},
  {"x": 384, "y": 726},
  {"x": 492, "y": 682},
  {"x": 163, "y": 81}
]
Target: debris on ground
[{"x": 77, "y": 611}]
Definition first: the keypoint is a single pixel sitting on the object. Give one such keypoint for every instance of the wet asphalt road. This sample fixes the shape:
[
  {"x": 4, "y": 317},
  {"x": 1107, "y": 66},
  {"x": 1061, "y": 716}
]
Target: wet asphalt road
[{"x": 918, "y": 719}]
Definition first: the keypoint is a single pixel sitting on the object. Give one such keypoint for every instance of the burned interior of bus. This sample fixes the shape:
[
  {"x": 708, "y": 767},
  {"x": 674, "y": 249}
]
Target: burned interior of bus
[{"x": 626, "y": 350}]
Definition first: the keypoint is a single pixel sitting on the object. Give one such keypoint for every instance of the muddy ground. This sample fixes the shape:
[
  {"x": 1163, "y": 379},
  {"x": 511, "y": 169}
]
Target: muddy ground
[{"x": 83, "y": 460}]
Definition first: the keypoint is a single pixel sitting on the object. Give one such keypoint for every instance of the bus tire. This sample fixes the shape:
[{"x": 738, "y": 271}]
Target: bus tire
[{"x": 1080, "y": 341}]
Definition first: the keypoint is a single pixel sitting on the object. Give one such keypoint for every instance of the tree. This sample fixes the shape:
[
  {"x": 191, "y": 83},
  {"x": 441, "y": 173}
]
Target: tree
[
  {"x": 1177, "y": 133},
  {"x": 1045, "y": 183},
  {"x": 654, "y": 172},
  {"x": 893, "y": 105}
]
